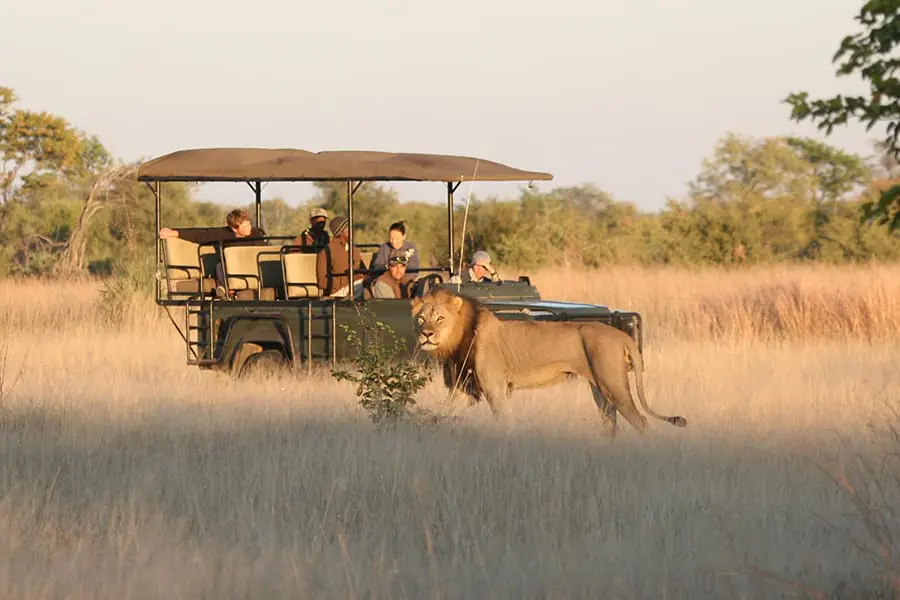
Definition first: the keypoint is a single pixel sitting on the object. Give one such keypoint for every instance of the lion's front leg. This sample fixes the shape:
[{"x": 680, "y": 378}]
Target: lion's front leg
[
  {"x": 607, "y": 410},
  {"x": 461, "y": 385},
  {"x": 496, "y": 392}
]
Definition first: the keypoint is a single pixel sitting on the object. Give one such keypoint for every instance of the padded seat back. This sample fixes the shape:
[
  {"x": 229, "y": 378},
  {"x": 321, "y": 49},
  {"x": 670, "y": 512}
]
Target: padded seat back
[
  {"x": 184, "y": 274},
  {"x": 300, "y": 275},
  {"x": 241, "y": 271}
]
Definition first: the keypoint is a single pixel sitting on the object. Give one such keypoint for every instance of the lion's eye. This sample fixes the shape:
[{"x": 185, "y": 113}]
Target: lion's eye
[{"x": 439, "y": 319}]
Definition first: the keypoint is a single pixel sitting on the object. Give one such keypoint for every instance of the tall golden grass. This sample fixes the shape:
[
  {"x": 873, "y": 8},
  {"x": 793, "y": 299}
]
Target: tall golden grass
[
  {"x": 127, "y": 474},
  {"x": 760, "y": 303}
]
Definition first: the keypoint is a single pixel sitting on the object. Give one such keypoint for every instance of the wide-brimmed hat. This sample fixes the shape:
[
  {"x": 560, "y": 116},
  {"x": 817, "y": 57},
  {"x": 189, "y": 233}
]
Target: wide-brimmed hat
[{"x": 337, "y": 225}]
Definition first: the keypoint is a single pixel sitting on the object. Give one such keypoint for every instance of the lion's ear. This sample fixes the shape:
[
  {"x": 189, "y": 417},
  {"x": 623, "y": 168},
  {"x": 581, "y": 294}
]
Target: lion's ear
[
  {"x": 456, "y": 302},
  {"x": 417, "y": 304}
]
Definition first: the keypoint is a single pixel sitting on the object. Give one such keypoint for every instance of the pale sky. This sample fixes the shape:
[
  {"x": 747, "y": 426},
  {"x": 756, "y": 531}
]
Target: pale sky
[{"x": 628, "y": 95}]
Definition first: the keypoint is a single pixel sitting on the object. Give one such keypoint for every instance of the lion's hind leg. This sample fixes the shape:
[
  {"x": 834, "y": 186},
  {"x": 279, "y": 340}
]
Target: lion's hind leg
[
  {"x": 613, "y": 383},
  {"x": 607, "y": 410}
]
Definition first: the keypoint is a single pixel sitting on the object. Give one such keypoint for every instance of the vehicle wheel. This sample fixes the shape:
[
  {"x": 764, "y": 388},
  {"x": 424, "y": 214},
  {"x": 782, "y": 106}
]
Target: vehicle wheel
[{"x": 267, "y": 363}]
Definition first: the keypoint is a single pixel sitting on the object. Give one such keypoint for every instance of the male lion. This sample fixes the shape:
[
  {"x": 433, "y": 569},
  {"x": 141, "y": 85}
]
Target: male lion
[{"x": 484, "y": 355}]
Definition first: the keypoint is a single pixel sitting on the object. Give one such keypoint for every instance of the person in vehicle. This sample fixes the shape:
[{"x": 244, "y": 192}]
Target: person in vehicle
[
  {"x": 394, "y": 283},
  {"x": 481, "y": 271},
  {"x": 333, "y": 263},
  {"x": 315, "y": 234},
  {"x": 396, "y": 242},
  {"x": 237, "y": 226},
  {"x": 238, "y": 229}
]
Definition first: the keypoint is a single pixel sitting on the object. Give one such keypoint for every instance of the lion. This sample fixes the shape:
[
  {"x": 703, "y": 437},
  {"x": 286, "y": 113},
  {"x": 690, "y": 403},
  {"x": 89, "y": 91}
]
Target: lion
[{"x": 482, "y": 355}]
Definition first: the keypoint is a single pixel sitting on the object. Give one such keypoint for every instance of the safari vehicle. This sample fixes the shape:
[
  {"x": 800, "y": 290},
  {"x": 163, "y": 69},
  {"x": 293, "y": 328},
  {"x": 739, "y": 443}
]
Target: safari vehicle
[{"x": 278, "y": 316}]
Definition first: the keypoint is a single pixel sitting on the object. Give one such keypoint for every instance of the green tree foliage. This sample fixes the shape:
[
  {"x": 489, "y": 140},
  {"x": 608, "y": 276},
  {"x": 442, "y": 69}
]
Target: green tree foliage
[
  {"x": 871, "y": 54},
  {"x": 386, "y": 383},
  {"x": 762, "y": 200},
  {"x": 35, "y": 145}
]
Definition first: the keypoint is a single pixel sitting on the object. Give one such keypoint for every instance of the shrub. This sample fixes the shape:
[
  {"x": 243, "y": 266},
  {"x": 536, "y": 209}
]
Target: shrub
[
  {"x": 126, "y": 293},
  {"x": 386, "y": 380}
]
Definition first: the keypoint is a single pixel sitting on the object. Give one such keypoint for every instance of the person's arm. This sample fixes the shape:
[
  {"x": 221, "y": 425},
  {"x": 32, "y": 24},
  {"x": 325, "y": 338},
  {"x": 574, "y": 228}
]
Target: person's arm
[{"x": 202, "y": 236}]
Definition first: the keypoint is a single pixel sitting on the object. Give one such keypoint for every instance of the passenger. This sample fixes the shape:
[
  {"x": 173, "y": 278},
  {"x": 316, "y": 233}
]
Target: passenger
[
  {"x": 396, "y": 241},
  {"x": 237, "y": 226},
  {"x": 394, "y": 283},
  {"x": 333, "y": 263},
  {"x": 481, "y": 271},
  {"x": 315, "y": 235}
]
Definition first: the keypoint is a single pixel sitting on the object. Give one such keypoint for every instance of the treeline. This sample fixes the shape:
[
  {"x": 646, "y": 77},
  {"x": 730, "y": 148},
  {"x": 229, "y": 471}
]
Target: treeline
[{"x": 69, "y": 207}]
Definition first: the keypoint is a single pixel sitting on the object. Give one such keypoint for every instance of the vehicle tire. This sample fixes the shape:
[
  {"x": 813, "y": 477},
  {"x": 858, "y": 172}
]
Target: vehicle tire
[{"x": 264, "y": 364}]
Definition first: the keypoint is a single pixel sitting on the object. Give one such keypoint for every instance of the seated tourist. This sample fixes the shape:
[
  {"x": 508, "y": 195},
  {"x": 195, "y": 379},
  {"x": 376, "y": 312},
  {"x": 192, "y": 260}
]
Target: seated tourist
[
  {"x": 396, "y": 242},
  {"x": 394, "y": 283},
  {"x": 315, "y": 234},
  {"x": 481, "y": 271},
  {"x": 237, "y": 229},
  {"x": 333, "y": 263},
  {"x": 237, "y": 226}
]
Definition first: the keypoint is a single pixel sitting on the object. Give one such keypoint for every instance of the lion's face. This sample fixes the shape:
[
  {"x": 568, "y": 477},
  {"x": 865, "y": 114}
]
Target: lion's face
[{"x": 437, "y": 323}]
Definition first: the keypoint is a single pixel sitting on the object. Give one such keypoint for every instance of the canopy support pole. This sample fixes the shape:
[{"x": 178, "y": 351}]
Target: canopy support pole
[
  {"x": 156, "y": 196},
  {"x": 350, "y": 190},
  {"x": 256, "y": 186},
  {"x": 450, "y": 189}
]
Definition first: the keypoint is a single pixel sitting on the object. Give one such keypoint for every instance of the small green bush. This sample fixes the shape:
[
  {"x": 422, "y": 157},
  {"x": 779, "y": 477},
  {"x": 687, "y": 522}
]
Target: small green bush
[{"x": 386, "y": 381}]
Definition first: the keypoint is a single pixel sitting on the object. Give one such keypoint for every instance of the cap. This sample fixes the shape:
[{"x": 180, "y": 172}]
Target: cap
[
  {"x": 398, "y": 258},
  {"x": 318, "y": 212},
  {"x": 481, "y": 258},
  {"x": 337, "y": 225}
]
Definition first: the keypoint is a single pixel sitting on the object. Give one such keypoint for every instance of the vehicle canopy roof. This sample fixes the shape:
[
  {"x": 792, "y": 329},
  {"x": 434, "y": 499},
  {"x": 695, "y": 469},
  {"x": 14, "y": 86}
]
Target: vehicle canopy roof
[{"x": 271, "y": 164}]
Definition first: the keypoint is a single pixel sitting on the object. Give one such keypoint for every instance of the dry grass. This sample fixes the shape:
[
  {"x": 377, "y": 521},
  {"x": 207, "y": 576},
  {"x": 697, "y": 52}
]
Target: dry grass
[
  {"x": 806, "y": 303},
  {"x": 126, "y": 474}
]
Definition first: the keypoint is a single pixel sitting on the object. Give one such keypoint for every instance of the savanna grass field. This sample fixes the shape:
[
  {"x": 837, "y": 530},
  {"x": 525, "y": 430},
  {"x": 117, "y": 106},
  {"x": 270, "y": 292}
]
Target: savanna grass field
[{"x": 126, "y": 473}]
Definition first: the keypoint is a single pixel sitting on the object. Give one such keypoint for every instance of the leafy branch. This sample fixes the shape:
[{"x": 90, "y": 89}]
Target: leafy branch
[
  {"x": 868, "y": 53},
  {"x": 386, "y": 380}
]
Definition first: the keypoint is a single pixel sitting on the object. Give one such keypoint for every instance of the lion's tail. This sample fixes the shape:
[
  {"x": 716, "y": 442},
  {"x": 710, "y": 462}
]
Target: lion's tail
[{"x": 638, "y": 362}]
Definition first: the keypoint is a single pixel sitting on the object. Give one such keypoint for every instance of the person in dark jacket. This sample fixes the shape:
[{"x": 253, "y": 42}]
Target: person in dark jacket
[
  {"x": 237, "y": 226},
  {"x": 237, "y": 229},
  {"x": 315, "y": 234}
]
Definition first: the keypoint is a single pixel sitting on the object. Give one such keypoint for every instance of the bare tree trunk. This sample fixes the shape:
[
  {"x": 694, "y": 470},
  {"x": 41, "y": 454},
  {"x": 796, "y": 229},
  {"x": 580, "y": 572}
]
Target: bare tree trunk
[{"x": 96, "y": 199}]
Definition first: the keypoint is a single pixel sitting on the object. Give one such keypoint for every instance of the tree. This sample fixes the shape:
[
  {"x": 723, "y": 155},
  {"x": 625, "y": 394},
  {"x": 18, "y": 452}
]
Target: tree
[
  {"x": 833, "y": 174},
  {"x": 45, "y": 143},
  {"x": 374, "y": 208},
  {"x": 751, "y": 196},
  {"x": 106, "y": 187},
  {"x": 868, "y": 53}
]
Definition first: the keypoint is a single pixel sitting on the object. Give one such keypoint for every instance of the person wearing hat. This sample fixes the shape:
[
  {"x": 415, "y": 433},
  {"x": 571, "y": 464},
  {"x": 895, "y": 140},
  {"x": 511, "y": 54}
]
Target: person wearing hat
[
  {"x": 481, "y": 271},
  {"x": 333, "y": 263},
  {"x": 315, "y": 234},
  {"x": 393, "y": 283}
]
